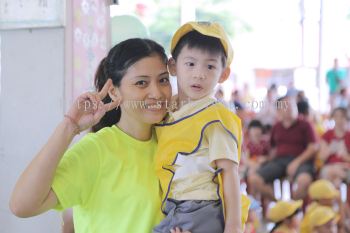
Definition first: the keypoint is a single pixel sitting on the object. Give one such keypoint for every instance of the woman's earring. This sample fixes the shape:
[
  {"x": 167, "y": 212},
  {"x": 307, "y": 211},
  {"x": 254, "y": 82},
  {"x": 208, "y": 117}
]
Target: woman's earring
[
  {"x": 118, "y": 98},
  {"x": 115, "y": 97}
]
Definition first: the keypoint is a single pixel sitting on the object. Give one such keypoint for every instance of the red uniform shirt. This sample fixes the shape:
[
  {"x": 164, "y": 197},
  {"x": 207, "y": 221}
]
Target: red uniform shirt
[{"x": 335, "y": 143}]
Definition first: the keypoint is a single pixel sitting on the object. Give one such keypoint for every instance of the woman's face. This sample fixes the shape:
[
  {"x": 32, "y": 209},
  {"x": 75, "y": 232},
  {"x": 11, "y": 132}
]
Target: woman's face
[{"x": 145, "y": 90}]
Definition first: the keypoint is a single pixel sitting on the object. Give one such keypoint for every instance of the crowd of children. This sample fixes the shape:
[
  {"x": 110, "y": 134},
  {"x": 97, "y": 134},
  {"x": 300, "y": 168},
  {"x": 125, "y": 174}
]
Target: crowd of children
[{"x": 323, "y": 209}]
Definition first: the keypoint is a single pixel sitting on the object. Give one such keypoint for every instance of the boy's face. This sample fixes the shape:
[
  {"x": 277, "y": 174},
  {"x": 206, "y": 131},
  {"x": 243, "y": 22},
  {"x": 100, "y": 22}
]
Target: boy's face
[
  {"x": 255, "y": 134},
  {"x": 197, "y": 72}
]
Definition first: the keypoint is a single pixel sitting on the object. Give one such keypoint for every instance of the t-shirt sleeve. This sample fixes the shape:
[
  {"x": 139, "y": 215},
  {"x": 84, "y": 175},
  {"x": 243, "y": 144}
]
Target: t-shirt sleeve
[
  {"x": 222, "y": 144},
  {"x": 310, "y": 133},
  {"x": 76, "y": 173}
]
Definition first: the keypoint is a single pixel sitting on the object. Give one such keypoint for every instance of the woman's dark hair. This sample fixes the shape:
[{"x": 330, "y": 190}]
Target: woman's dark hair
[
  {"x": 194, "y": 39},
  {"x": 116, "y": 64}
]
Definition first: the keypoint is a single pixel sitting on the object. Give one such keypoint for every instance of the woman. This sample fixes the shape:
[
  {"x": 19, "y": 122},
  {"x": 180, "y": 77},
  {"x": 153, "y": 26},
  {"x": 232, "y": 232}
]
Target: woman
[{"x": 107, "y": 177}]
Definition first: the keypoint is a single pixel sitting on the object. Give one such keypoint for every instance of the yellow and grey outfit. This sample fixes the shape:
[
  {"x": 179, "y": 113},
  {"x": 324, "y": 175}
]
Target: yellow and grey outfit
[{"x": 188, "y": 144}]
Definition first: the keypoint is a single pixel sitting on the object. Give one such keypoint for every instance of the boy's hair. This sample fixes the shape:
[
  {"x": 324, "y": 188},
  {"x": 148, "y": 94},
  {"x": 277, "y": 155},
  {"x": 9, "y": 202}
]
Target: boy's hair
[
  {"x": 256, "y": 124},
  {"x": 303, "y": 107},
  {"x": 194, "y": 39}
]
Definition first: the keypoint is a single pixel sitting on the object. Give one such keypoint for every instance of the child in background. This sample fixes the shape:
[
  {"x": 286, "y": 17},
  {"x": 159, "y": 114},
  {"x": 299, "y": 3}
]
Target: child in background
[
  {"x": 284, "y": 215},
  {"x": 322, "y": 193},
  {"x": 256, "y": 148},
  {"x": 256, "y": 145},
  {"x": 323, "y": 220},
  {"x": 335, "y": 149},
  {"x": 199, "y": 144}
]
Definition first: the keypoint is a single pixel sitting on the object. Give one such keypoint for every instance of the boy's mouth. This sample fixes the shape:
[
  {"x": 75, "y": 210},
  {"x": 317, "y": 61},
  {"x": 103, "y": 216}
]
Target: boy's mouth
[{"x": 196, "y": 87}]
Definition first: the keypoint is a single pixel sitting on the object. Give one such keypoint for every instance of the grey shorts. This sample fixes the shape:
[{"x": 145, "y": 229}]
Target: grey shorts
[
  {"x": 277, "y": 168},
  {"x": 194, "y": 216}
]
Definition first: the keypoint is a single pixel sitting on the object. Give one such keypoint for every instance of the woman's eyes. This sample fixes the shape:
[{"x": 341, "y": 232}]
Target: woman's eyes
[
  {"x": 141, "y": 83},
  {"x": 164, "y": 80}
]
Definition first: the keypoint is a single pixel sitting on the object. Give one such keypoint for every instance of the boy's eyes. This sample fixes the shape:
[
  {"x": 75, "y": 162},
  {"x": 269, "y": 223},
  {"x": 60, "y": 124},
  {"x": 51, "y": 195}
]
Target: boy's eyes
[
  {"x": 189, "y": 63},
  {"x": 210, "y": 67}
]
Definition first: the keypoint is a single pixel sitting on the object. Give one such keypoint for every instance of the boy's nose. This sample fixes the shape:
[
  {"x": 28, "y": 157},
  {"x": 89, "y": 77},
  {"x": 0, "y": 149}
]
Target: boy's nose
[{"x": 200, "y": 74}]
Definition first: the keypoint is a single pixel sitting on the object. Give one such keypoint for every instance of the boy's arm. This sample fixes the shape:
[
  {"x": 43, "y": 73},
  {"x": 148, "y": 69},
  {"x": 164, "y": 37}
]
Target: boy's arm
[{"x": 232, "y": 195}]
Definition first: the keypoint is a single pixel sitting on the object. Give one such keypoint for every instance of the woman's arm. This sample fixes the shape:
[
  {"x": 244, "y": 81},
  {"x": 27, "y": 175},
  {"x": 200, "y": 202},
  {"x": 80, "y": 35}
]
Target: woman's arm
[
  {"x": 32, "y": 194},
  {"x": 232, "y": 195}
]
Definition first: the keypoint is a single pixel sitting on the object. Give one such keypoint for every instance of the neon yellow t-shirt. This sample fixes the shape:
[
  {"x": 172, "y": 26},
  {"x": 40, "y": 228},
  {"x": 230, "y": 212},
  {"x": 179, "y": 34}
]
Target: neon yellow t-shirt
[{"x": 108, "y": 178}]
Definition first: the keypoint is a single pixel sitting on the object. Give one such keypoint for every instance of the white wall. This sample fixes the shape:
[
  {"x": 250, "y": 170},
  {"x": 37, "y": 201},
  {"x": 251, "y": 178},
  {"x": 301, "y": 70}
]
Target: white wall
[{"x": 31, "y": 104}]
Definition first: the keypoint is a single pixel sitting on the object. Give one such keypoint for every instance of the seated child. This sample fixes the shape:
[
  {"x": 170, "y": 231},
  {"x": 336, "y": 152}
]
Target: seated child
[
  {"x": 284, "y": 215},
  {"x": 322, "y": 193},
  {"x": 256, "y": 145},
  {"x": 323, "y": 220}
]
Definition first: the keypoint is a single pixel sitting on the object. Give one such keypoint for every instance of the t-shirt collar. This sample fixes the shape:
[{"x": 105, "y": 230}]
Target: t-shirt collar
[{"x": 191, "y": 107}]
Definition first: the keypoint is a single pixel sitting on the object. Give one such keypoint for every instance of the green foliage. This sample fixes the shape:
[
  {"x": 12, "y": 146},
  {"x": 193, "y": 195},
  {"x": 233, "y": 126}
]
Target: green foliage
[
  {"x": 165, "y": 24},
  {"x": 232, "y": 24},
  {"x": 167, "y": 19}
]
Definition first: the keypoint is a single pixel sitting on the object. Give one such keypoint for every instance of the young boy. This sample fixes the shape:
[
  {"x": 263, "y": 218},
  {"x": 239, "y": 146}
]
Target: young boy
[
  {"x": 199, "y": 144},
  {"x": 324, "y": 220},
  {"x": 284, "y": 215}
]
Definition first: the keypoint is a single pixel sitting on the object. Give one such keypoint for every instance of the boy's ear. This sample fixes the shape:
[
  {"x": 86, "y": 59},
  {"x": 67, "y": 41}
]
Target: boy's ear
[
  {"x": 172, "y": 66},
  {"x": 225, "y": 74}
]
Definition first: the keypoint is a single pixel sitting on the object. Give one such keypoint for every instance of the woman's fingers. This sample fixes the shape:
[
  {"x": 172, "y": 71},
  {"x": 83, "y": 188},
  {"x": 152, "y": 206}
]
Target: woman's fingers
[
  {"x": 101, "y": 111},
  {"x": 89, "y": 103},
  {"x": 112, "y": 105},
  {"x": 103, "y": 93}
]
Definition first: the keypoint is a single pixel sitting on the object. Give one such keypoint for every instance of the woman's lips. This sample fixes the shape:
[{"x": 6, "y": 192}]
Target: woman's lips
[{"x": 159, "y": 106}]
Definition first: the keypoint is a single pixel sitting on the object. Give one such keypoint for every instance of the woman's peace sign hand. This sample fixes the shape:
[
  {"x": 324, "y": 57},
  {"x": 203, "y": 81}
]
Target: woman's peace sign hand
[{"x": 88, "y": 108}]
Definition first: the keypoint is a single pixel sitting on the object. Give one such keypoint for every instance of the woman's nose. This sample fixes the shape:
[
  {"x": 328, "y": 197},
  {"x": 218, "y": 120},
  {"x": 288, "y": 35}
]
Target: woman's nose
[{"x": 155, "y": 91}]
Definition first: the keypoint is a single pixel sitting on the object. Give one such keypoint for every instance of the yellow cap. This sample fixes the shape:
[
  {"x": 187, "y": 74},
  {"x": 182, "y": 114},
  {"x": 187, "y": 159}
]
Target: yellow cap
[
  {"x": 322, "y": 215},
  {"x": 283, "y": 210},
  {"x": 322, "y": 189},
  {"x": 208, "y": 29}
]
